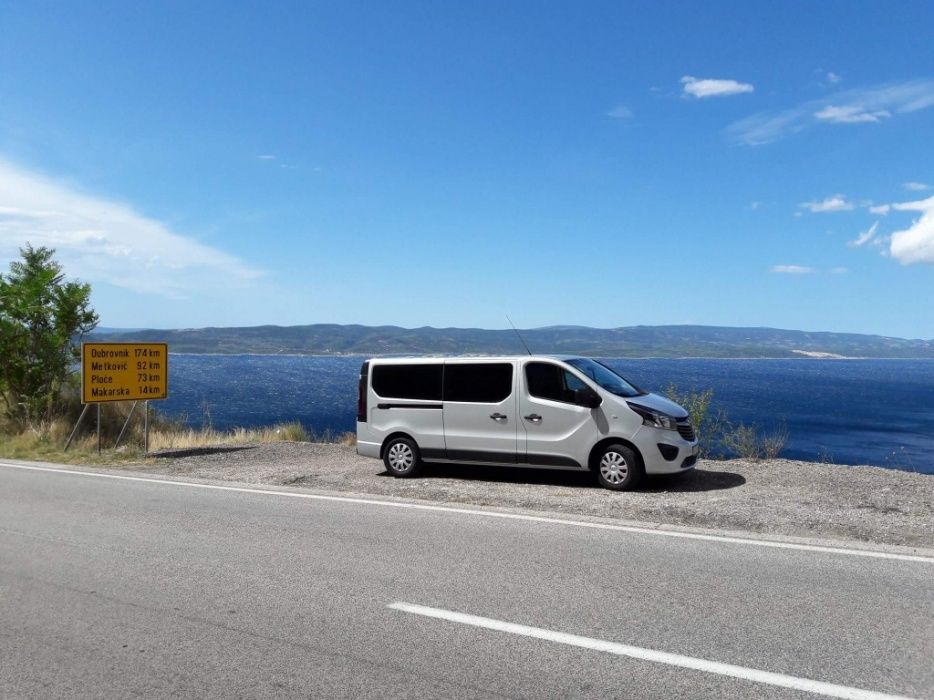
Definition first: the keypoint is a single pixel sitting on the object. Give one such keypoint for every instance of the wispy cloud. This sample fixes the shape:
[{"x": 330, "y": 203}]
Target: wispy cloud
[
  {"x": 274, "y": 160},
  {"x": 709, "y": 87},
  {"x": 793, "y": 270},
  {"x": 827, "y": 78},
  {"x": 858, "y": 106},
  {"x": 621, "y": 112},
  {"x": 917, "y": 186},
  {"x": 101, "y": 240},
  {"x": 836, "y": 202},
  {"x": 804, "y": 270},
  {"x": 915, "y": 244},
  {"x": 880, "y": 209},
  {"x": 865, "y": 237},
  {"x": 851, "y": 114}
]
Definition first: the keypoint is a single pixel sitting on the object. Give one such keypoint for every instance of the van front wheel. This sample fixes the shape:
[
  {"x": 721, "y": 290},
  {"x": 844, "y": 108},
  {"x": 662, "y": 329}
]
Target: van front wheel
[
  {"x": 401, "y": 457},
  {"x": 618, "y": 468}
]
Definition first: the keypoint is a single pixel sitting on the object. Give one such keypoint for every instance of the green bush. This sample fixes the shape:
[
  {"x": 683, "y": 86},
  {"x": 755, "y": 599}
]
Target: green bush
[
  {"x": 747, "y": 442},
  {"x": 774, "y": 442},
  {"x": 718, "y": 437},
  {"x": 709, "y": 421},
  {"x": 742, "y": 441}
]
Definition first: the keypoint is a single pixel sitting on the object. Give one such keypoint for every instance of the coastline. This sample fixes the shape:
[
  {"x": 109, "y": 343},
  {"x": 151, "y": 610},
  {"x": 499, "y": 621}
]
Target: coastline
[{"x": 614, "y": 357}]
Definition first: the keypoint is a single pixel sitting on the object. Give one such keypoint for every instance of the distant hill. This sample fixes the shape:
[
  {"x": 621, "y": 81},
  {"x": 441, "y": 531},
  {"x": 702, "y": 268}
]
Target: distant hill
[{"x": 633, "y": 341}]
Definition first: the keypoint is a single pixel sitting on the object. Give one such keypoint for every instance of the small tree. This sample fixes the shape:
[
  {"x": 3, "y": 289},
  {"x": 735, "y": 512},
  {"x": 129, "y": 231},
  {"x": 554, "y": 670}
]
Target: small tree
[
  {"x": 709, "y": 421},
  {"x": 42, "y": 319}
]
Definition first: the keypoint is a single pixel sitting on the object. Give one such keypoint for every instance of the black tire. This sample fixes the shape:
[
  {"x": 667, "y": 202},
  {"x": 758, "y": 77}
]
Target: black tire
[
  {"x": 618, "y": 467},
  {"x": 402, "y": 458}
]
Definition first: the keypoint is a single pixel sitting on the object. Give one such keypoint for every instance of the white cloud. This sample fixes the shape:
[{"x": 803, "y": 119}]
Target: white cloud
[
  {"x": 915, "y": 244},
  {"x": 620, "y": 112},
  {"x": 832, "y": 77},
  {"x": 862, "y": 105},
  {"x": 864, "y": 238},
  {"x": 266, "y": 156},
  {"x": 851, "y": 114},
  {"x": 917, "y": 186},
  {"x": 713, "y": 88},
  {"x": 100, "y": 240},
  {"x": 802, "y": 270},
  {"x": 837, "y": 202},
  {"x": 793, "y": 270},
  {"x": 755, "y": 205},
  {"x": 881, "y": 209}
]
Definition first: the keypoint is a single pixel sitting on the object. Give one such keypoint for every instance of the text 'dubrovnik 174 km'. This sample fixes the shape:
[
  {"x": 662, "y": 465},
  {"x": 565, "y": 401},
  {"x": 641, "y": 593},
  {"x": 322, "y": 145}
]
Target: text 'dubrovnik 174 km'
[{"x": 124, "y": 371}]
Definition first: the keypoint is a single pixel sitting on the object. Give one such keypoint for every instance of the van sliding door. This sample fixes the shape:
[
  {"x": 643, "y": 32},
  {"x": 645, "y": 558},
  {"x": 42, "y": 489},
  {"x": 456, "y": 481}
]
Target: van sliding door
[{"x": 480, "y": 411}]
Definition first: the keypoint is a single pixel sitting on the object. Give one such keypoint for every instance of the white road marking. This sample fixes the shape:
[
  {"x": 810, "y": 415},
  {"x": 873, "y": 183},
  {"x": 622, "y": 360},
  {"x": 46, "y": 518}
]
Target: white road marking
[
  {"x": 507, "y": 516},
  {"x": 662, "y": 657}
]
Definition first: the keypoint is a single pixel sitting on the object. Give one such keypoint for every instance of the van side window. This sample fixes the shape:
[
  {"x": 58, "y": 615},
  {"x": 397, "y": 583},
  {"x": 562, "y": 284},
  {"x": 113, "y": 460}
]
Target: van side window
[
  {"x": 548, "y": 381},
  {"x": 489, "y": 382},
  {"x": 408, "y": 381}
]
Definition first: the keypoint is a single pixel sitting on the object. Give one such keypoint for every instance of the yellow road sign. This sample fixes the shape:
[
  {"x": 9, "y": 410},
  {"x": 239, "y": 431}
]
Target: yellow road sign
[{"x": 124, "y": 371}]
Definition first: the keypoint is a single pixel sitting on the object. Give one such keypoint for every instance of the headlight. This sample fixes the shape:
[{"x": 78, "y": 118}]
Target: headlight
[{"x": 654, "y": 419}]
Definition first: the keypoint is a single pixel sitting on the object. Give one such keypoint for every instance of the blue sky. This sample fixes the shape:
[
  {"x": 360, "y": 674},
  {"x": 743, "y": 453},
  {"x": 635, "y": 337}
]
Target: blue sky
[{"x": 446, "y": 164}]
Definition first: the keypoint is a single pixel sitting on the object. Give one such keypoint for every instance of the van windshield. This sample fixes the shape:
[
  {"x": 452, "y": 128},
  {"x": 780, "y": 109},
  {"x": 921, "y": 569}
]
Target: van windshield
[{"x": 605, "y": 377}]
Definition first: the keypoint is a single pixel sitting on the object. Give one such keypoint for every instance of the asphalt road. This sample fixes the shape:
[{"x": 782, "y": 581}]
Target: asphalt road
[{"x": 117, "y": 588}]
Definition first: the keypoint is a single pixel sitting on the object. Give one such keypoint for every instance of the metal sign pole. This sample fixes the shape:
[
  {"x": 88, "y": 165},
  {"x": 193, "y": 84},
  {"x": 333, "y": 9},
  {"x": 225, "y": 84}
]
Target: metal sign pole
[
  {"x": 75, "y": 430},
  {"x": 98, "y": 428},
  {"x": 146, "y": 426},
  {"x": 125, "y": 424}
]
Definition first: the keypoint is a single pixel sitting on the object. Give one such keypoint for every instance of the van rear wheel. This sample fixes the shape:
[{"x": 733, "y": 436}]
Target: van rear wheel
[
  {"x": 618, "y": 468},
  {"x": 401, "y": 457}
]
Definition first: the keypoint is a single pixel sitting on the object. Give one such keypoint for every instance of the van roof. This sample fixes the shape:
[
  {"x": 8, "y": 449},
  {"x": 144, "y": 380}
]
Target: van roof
[{"x": 469, "y": 358}]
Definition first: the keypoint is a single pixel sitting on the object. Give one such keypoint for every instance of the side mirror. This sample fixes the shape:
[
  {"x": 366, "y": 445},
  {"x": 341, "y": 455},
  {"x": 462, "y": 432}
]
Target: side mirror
[{"x": 587, "y": 397}]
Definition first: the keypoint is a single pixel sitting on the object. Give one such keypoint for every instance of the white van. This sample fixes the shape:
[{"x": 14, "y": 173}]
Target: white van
[{"x": 536, "y": 411}]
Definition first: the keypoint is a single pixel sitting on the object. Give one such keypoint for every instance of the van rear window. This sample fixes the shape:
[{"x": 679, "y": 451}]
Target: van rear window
[
  {"x": 408, "y": 381},
  {"x": 489, "y": 382}
]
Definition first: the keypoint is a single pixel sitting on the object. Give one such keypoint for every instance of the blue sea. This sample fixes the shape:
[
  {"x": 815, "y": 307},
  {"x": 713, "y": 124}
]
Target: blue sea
[{"x": 877, "y": 412}]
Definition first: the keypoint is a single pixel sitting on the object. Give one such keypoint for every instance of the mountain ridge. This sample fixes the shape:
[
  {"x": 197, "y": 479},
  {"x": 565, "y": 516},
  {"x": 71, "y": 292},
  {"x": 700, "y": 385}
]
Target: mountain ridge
[{"x": 626, "y": 341}]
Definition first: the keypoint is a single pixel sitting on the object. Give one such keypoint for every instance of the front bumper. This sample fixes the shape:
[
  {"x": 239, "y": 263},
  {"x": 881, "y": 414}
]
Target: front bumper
[{"x": 665, "y": 451}]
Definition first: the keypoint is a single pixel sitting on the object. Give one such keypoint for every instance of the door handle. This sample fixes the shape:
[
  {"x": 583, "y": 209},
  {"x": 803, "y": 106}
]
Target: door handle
[
  {"x": 498, "y": 416},
  {"x": 534, "y": 417}
]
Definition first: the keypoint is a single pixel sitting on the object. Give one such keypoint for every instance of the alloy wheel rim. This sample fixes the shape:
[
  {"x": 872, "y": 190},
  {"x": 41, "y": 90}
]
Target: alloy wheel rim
[
  {"x": 613, "y": 468},
  {"x": 401, "y": 456}
]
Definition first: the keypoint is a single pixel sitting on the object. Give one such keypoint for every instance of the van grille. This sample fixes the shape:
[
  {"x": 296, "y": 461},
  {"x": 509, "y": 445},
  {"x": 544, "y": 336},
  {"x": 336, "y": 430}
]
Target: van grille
[{"x": 686, "y": 430}]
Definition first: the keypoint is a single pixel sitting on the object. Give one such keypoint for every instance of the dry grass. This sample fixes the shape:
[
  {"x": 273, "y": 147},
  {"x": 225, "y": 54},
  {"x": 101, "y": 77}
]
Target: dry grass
[
  {"x": 202, "y": 437},
  {"x": 49, "y": 447},
  {"x": 280, "y": 432},
  {"x": 46, "y": 442}
]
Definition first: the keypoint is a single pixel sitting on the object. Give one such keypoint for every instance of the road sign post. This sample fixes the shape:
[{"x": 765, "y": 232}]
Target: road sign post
[{"x": 123, "y": 372}]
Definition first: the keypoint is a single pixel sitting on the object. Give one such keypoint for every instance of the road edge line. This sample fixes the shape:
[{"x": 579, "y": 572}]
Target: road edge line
[{"x": 728, "y": 539}]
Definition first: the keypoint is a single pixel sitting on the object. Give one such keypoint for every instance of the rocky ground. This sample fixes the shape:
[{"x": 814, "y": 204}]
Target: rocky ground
[{"x": 778, "y": 497}]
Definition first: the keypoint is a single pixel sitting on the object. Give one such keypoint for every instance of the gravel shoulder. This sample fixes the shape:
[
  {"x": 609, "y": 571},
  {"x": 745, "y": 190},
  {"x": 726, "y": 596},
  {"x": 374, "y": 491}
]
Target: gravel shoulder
[{"x": 777, "y": 497}]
